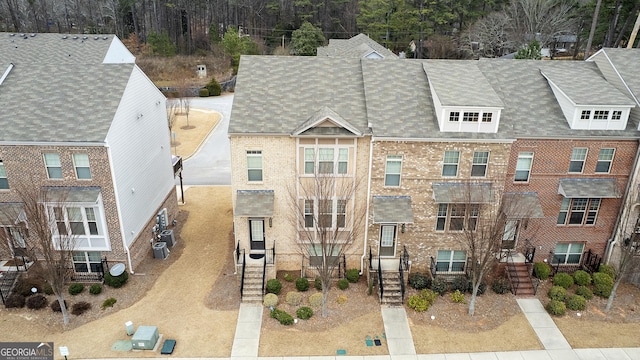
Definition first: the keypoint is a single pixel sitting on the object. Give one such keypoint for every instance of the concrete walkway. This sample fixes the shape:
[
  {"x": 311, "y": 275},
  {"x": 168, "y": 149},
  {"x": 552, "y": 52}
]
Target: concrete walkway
[
  {"x": 247, "y": 338},
  {"x": 546, "y": 329},
  {"x": 396, "y": 329}
]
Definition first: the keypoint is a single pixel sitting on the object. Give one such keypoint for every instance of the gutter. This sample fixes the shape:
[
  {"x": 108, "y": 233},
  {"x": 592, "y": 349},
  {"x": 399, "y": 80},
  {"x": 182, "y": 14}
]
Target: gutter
[
  {"x": 366, "y": 222},
  {"x": 6, "y": 73}
]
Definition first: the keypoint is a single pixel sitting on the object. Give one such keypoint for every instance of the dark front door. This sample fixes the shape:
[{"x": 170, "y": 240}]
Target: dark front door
[{"x": 256, "y": 233}]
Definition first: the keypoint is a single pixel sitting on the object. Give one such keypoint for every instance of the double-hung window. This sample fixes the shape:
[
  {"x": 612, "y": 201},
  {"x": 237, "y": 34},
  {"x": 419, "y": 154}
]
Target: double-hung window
[
  {"x": 328, "y": 161},
  {"x": 87, "y": 261},
  {"x": 480, "y": 162},
  {"x": 52, "y": 163},
  {"x": 578, "y": 156},
  {"x": 309, "y": 161},
  {"x": 578, "y": 211},
  {"x": 81, "y": 163},
  {"x": 325, "y": 161},
  {"x": 254, "y": 165},
  {"x": 83, "y": 223},
  {"x": 331, "y": 213},
  {"x": 568, "y": 253},
  {"x": 523, "y": 166},
  {"x": 450, "y": 164},
  {"x": 451, "y": 261},
  {"x": 4, "y": 183},
  {"x": 343, "y": 160},
  {"x": 458, "y": 216},
  {"x": 605, "y": 157},
  {"x": 308, "y": 214},
  {"x": 341, "y": 213},
  {"x": 393, "y": 170}
]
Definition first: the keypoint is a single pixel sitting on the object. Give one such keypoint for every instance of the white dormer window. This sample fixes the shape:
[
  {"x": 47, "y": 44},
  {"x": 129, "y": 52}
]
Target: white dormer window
[
  {"x": 454, "y": 116},
  {"x": 470, "y": 117},
  {"x": 616, "y": 115},
  {"x": 470, "y": 120},
  {"x": 586, "y": 115},
  {"x": 486, "y": 117},
  {"x": 600, "y": 115}
]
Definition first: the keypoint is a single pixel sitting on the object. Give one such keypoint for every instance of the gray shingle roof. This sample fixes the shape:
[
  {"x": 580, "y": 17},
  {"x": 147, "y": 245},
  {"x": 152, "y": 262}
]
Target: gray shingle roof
[
  {"x": 358, "y": 47},
  {"x": 588, "y": 188},
  {"x": 258, "y": 203},
  {"x": 522, "y": 205},
  {"x": 461, "y": 192},
  {"x": 460, "y": 83},
  {"x": 51, "y": 48},
  {"x": 392, "y": 209},
  {"x": 627, "y": 63},
  {"x": 65, "y": 103}
]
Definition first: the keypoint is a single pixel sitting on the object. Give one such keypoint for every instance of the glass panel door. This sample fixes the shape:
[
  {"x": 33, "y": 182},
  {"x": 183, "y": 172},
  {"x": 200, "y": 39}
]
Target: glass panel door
[
  {"x": 256, "y": 228},
  {"x": 388, "y": 240}
]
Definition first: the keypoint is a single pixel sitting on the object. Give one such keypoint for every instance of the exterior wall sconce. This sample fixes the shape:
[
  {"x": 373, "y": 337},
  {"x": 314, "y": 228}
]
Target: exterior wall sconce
[
  {"x": 270, "y": 222},
  {"x": 402, "y": 228}
]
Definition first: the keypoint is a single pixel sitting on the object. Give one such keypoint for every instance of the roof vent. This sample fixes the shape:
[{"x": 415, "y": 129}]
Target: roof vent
[
  {"x": 95, "y": 38},
  {"x": 12, "y": 34},
  {"x": 33, "y": 35},
  {"x": 64, "y": 36},
  {"x": 22, "y": 35},
  {"x": 85, "y": 37},
  {"x": 75, "y": 38},
  {"x": 105, "y": 37}
]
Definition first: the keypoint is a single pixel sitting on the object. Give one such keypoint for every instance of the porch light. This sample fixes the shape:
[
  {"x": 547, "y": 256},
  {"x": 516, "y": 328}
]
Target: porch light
[
  {"x": 270, "y": 222},
  {"x": 402, "y": 228}
]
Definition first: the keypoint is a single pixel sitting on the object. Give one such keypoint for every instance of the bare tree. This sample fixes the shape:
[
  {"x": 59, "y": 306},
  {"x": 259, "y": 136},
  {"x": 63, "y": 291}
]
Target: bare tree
[
  {"x": 328, "y": 219},
  {"x": 48, "y": 238},
  {"x": 491, "y": 36},
  {"x": 172, "y": 109},
  {"x": 628, "y": 245}
]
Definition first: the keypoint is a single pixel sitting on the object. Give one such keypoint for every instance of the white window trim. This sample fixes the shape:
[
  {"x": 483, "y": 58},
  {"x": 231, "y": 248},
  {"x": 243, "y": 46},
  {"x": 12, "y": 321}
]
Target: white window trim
[
  {"x": 486, "y": 165},
  {"x": 86, "y": 261},
  {"x": 75, "y": 166},
  {"x": 567, "y": 205},
  {"x": 3, "y": 175},
  {"x": 334, "y": 214},
  {"x": 466, "y": 217},
  {"x": 444, "y": 163},
  {"x": 568, "y": 253},
  {"x": 101, "y": 224},
  {"x": 255, "y": 154},
  {"x": 524, "y": 155},
  {"x": 394, "y": 158},
  {"x": 609, "y": 161},
  {"x": 583, "y": 160},
  {"x": 450, "y": 262},
  {"x": 47, "y": 166},
  {"x": 337, "y": 148}
]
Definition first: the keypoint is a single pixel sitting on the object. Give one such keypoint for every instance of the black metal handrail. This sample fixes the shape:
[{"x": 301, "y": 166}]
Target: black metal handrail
[
  {"x": 270, "y": 256},
  {"x": 344, "y": 266},
  {"x": 405, "y": 257},
  {"x": 244, "y": 264},
  {"x": 512, "y": 267},
  {"x": 380, "y": 285},
  {"x": 535, "y": 282},
  {"x": 264, "y": 272},
  {"x": 401, "y": 271},
  {"x": 370, "y": 259},
  {"x": 432, "y": 267}
]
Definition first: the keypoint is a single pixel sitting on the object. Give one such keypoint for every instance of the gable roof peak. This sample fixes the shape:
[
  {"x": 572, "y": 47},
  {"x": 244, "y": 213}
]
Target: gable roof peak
[{"x": 325, "y": 113}]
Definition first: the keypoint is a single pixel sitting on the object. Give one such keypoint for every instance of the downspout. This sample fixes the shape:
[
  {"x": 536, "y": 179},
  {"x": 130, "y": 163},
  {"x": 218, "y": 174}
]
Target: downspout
[
  {"x": 623, "y": 208},
  {"x": 115, "y": 194},
  {"x": 366, "y": 222}
]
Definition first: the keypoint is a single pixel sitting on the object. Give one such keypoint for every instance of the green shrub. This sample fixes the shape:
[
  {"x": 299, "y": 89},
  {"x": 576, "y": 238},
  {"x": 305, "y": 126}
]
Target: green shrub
[
  {"x": 80, "y": 308},
  {"x": 582, "y": 278},
  {"x": 37, "y": 302},
  {"x": 556, "y": 307},
  {"x": 342, "y": 299},
  {"x": 317, "y": 283},
  {"x": 288, "y": 277},
  {"x": 270, "y": 300},
  {"x": 274, "y": 286},
  {"x": 576, "y": 302},
  {"x": 457, "y": 297},
  {"x": 282, "y": 316},
  {"x": 501, "y": 286},
  {"x": 315, "y": 300},
  {"x": 557, "y": 293},
  {"x": 607, "y": 269},
  {"x": 585, "y": 292},
  {"x": 302, "y": 284},
  {"x": 481, "y": 288},
  {"x": 47, "y": 289},
  {"x": 214, "y": 87},
  {"x": 75, "y": 289},
  {"x": 420, "y": 281},
  {"x": 422, "y": 301},
  {"x": 55, "y": 305},
  {"x": 461, "y": 284},
  {"x": 95, "y": 289},
  {"x": 108, "y": 303},
  {"x": 294, "y": 298},
  {"x": 14, "y": 301},
  {"x": 24, "y": 286},
  {"x": 541, "y": 270},
  {"x": 116, "y": 281},
  {"x": 353, "y": 275},
  {"x": 439, "y": 285},
  {"x": 563, "y": 279},
  {"x": 343, "y": 284},
  {"x": 204, "y": 92},
  {"x": 304, "y": 313},
  {"x": 602, "y": 284}
]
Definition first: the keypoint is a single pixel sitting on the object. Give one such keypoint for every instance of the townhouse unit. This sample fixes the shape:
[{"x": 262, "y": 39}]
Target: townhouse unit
[
  {"x": 550, "y": 145},
  {"x": 85, "y": 126}
]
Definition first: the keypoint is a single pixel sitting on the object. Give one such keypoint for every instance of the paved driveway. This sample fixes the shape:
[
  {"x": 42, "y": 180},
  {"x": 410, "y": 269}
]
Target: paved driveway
[{"x": 211, "y": 164}]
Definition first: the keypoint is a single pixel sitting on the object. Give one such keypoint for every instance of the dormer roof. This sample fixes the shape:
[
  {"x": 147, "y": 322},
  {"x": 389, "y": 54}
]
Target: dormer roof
[
  {"x": 325, "y": 121},
  {"x": 360, "y": 46}
]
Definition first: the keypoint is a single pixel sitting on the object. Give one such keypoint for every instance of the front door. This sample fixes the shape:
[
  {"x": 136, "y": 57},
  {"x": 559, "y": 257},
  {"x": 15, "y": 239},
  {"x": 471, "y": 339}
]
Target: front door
[
  {"x": 510, "y": 235},
  {"x": 256, "y": 229},
  {"x": 388, "y": 240}
]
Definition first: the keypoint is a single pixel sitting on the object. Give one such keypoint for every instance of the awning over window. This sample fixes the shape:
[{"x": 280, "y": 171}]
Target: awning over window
[
  {"x": 588, "y": 188},
  {"x": 525, "y": 205},
  {"x": 11, "y": 213},
  {"x": 392, "y": 209},
  {"x": 456, "y": 192},
  {"x": 258, "y": 203},
  {"x": 62, "y": 195}
]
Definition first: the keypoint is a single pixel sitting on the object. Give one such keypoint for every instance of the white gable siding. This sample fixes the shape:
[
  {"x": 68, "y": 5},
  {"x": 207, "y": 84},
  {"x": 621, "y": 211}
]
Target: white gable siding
[
  {"x": 118, "y": 53},
  {"x": 567, "y": 106},
  {"x": 140, "y": 154},
  {"x": 437, "y": 106}
]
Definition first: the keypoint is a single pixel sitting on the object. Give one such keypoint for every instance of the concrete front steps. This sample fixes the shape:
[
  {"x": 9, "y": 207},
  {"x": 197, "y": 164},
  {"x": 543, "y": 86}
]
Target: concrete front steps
[
  {"x": 520, "y": 282},
  {"x": 252, "y": 291},
  {"x": 392, "y": 290}
]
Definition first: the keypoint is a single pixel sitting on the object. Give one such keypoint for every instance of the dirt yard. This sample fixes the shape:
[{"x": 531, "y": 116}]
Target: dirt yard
[{"x": 188, "y": 137}]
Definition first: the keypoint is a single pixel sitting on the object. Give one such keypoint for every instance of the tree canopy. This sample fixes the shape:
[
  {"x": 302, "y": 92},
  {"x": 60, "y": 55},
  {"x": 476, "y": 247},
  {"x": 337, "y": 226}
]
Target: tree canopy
[{"x": 306, "y": 40}]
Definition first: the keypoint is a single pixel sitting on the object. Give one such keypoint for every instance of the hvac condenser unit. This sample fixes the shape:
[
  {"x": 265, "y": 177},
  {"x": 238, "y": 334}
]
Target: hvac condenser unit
[
  {"x": 167, "y": 237},
  {"x": 160, "y": 250}
]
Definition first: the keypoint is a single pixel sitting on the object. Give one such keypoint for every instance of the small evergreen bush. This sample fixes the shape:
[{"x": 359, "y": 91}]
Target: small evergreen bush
[
  {"x": 602, "y": 284},
  {"x": 563, "y": 279},
  {"x": 294, "y": 298},
  {"x": 457, "y": 297},
  {"x": 481, "y": 288},
  {"x": 302, "y": 284},
  {"x": 576, "y": 302},
  {"x": 342, "y": 299},
  {"x": 420, "y": 281},
  {"x": 14, "y": 301},
  {"x": 461, "y": 284},
  {"x": 317, "y": 283},
  {"x": 75, "y": 289},
  {"x": 116, "y": 281},
  {"x": 541, "y": 270},
  {"x": 95, "y": 289},
  {"x": 422, "y": 301},
  {"x": 439, "y": 285},
  {"x": 501, "y": 286},
  {"x": 282, "y": 316},
  {"x": 304, "y": 313},
  {"x": 80, "y": 308},
  {"x": 108, "y": 303},
  {"x": 214, "y": 87},
  {"x": 47, "y": 289},
  {"x": 557, "y": 293},
  {"x": 274, "y": 286},
  {"x": 288, "y": 277},
  {"x": 556, "y": 307},
  {"x": 585, "y": 292},
  {"x": 343, "y": 284},
  {"x": 607, "y": 269},
  {"x": 353, "y": 275},
  {"x": 36, "y": 302},
  {"x": 582, "y": 278},
  {"x": 315, "y": 300},
  {"x": 270, "y": 300},
  {"x": 55, "y": 305},
  {"x": 204, "y": 92}
]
